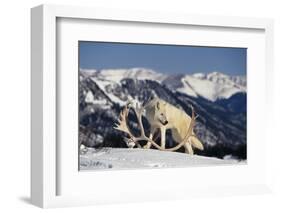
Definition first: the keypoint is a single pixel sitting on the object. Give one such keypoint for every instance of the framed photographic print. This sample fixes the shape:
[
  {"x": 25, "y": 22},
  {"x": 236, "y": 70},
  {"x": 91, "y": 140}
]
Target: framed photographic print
[
  {"x": 158, "y": 96},
  {"x": 149, "y": 106}
]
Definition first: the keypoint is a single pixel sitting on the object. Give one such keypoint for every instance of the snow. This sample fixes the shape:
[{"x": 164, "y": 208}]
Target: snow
[
  {"x": 203, "y": 87},
  {"x": 212, "y": 86},
  {"x": 199, "y": 75},
  {"x": 102, "y": 84},
  {"x": 89, "y": 97},
  {"x": 231, "y": 81},
  {"x": 125, "y": 158},
  {"x": 87, "y": 72},
  {"x": 106, "y": 77},
  {"x": 230, "y": 157},
  {"x": 117, "y": 75},
  {"x": 187, "y": 89}
]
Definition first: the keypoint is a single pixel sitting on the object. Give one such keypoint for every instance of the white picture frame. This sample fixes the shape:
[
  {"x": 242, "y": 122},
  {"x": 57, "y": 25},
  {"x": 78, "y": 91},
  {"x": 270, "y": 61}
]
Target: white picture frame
[{"x": 48, "y": 172}]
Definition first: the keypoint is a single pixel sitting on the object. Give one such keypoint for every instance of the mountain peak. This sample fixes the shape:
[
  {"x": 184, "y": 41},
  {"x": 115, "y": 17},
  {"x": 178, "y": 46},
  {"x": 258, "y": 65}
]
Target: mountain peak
[
  {"x": 133, "y": 73},
  {"x": 211, "y": 86},
  {"x": 217, "y": 74},
  {"x": 199, "y": 75}
]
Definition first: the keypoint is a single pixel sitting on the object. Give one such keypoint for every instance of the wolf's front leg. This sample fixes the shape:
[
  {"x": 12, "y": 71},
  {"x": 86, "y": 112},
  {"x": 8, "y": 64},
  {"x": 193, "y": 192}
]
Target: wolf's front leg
[{"x": 163, "y": 137}]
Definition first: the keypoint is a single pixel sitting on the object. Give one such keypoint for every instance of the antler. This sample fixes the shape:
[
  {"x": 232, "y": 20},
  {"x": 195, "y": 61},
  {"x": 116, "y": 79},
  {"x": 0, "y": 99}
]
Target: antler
[
  {"x": 122, "y": 122},
  {"x": 122, "y": 126}
]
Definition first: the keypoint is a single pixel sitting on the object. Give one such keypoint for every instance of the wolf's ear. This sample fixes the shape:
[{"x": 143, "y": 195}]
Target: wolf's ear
[{"x": 158, "y": 105}]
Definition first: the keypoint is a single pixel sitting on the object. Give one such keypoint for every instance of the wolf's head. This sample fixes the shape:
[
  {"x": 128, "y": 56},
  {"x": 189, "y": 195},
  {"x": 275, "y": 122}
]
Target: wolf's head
[
  {"x": 160, "y": 112},
  {"x": 156, "y": 111}
]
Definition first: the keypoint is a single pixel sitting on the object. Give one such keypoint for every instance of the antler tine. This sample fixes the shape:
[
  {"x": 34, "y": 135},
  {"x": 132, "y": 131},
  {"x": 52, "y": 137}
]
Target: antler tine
[
  {"x": 138, "y": 111},
  {"x": 193, "y": 114},
  {"x": 122, "y": 123}
]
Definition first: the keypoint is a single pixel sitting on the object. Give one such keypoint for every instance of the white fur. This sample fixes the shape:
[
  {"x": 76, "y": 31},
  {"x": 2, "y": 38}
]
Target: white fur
[{"x": 162, "y": 115}]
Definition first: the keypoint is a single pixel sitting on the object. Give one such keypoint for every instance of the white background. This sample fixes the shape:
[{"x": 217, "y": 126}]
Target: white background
[{"x": 15, "y": 99}]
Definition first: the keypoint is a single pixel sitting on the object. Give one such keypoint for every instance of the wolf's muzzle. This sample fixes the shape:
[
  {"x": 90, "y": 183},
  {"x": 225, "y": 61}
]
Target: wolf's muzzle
[{"x": 165, "y": 123}]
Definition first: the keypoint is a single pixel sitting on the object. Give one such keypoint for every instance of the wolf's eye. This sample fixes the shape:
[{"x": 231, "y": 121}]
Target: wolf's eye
[{"x": 162, "y": 114}]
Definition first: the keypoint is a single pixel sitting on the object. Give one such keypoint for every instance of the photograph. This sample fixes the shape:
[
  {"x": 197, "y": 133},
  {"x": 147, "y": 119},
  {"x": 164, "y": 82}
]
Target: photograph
[{"x": 147, "y": 106}]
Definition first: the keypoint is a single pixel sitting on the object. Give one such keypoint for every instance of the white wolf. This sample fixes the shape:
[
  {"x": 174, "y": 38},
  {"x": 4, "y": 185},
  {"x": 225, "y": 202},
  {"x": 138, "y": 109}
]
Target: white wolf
[{"x": 162, "y": 115}]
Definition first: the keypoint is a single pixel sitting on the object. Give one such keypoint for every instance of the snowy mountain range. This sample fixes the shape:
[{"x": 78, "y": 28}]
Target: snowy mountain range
[
  {"x": 219, "y": 99},
  {"x": 212, "y": 86}
]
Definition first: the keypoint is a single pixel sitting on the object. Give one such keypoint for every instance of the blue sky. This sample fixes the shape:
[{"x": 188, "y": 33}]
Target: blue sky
[{"x": 162, "y": 58}]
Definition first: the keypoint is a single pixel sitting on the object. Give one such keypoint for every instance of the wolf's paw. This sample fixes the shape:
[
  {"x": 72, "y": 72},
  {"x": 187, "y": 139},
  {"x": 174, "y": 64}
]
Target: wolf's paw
[{"x": 146, "y": 146}]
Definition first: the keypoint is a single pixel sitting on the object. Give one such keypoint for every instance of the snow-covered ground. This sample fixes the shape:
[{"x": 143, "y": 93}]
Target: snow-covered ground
[{"x": 124, "y": 158}]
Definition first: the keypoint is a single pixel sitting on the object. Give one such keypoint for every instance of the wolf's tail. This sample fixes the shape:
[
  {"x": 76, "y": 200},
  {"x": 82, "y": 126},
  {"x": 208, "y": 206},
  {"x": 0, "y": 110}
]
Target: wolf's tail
[{"x": 196, "y": 143}]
